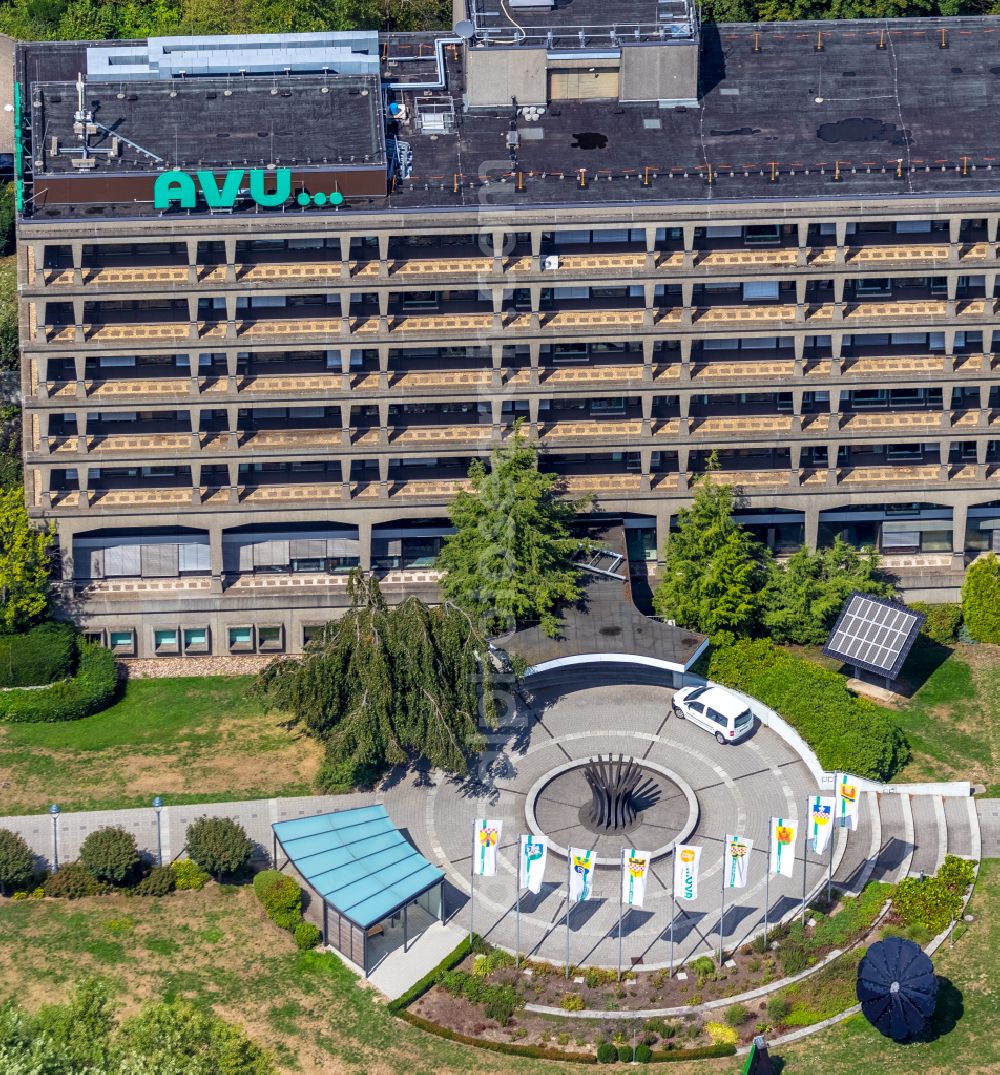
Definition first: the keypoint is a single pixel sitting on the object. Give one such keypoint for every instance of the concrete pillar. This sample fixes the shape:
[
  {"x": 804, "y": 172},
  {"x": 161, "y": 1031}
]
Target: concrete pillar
[
  {"x": 959, "y": 527},
  {"x": 215, "y": 555},
  {"x": 663, "y": 516},
  {"x": 230, "y": 247},
  {"x": 383, "y": 257},
  {"x": 811, "y": 536},
  {"x": 688, "y": 233},
  {"x": 76, "y": 251},
  {"x": 365, "y": 544},
  {"x": 82, "y": 444}
]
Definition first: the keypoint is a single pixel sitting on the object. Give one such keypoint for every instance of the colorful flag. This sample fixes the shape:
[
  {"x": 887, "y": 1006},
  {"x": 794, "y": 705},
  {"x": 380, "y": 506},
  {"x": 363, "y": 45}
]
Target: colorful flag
[
  {"x": 581, "y": 874},
  {"x": 485, "y": 838},
  {"x": 737, "y": 861},
  {"x": 783, "y": 834},
  {"x": 848, "y": 798},
  {"x": 821, "y": 810},
  {"x": 686, "y": 860},
  {"x": 635, "y": 870},
  {"x": 533, "y": 855}
]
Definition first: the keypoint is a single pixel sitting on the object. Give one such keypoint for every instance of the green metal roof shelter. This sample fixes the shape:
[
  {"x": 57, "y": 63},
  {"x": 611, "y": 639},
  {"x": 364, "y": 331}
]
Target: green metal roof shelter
[{"x": 364, "y": 870}]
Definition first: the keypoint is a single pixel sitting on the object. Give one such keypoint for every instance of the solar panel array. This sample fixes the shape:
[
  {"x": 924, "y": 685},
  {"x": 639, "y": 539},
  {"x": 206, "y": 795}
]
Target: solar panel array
[{"x": 874, "y": 634}]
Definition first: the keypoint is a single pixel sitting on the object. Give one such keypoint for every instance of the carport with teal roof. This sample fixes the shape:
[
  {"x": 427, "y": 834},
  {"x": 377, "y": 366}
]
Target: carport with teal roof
[{"x": 365, "y": 872}]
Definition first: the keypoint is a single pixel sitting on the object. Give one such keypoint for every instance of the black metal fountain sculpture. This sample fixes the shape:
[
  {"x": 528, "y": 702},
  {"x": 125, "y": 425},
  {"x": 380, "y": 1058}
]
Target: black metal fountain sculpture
[{"x": 612, "y": 786}]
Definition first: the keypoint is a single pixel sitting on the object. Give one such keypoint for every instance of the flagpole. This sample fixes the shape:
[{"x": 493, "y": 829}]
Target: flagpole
[
  {"x": 569, "y": 867},
  {"x": 517, "y": 905},
  {"x": 805, "y": 862},
  {"x": 673, "y": 911},
  {"x": 829, "y": 872},
  {"x": 472, "y": 887},
  {"x": 767, "y": 875},
  {"x": 722, "y": 905},
  {"x": 621, "y": 896}
]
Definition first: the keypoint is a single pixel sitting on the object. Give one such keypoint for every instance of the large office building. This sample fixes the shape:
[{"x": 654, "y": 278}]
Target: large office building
[{"x": 277, "y": 293}]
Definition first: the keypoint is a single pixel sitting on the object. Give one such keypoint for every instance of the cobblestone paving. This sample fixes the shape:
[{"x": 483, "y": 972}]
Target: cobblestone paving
[{"x": 738, "y": 789}]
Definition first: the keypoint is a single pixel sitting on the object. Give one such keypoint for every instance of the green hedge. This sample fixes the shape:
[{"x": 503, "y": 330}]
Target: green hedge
[
  {"x": 417, "y": 990},
  {"x": 847, "y": 733},
  {"x": 89, "y": 691},
  {"x": 703, "y": 1052},
  {"x": 943, "y": 621},
  {"x": 44, "y": 654}
]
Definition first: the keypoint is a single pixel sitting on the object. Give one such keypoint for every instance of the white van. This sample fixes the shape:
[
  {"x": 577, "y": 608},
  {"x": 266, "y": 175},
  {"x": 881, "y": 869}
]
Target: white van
[{"x": 716, "y": 710}]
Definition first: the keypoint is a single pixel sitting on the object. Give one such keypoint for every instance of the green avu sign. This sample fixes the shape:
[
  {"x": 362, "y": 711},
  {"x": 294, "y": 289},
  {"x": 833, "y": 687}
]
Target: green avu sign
[{"x": 181, "y": 189}]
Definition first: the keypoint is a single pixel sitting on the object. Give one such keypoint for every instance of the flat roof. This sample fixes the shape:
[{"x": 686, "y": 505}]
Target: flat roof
[
  {"x": 566, "y": 19},
  {"x": 819, "y": 108},
  {"x": 357, "y": 861}
]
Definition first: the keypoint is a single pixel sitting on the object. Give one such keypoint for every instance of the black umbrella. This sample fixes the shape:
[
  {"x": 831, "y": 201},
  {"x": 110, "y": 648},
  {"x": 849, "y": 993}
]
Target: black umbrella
[{"x": 897, "y": 988}]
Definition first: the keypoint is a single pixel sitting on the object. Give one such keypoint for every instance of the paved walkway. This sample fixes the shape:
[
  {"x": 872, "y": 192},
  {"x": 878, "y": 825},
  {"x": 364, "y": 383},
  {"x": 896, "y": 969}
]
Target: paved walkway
[
  {"x": 989, "y": 825},
  {"x": 738, "y": 789}
]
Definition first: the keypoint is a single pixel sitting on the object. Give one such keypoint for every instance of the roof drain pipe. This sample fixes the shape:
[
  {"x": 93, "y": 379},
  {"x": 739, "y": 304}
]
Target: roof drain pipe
[{"x": 439, "y": 83}]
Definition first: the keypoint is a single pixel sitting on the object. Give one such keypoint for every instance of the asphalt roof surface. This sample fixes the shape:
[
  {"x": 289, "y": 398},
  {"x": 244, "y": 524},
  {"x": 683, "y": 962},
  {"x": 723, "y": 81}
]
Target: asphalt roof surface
[{"x": 910, "y": 117}]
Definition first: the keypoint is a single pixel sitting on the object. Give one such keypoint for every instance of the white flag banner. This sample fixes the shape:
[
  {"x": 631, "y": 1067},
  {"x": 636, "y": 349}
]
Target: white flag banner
[
  {"x": 534, "y": 851},
  {"x": 686, "y": 861},
  {"x": 848, "y": 798},
  {"x": 737, "y": 861},
  {"x": 783, "y": 833},
  {"x": 581, "y": 874},
  {"x": 635, "y": 870},
  {"x": 485, "y": 840},
  {"x": 821, "y": 809}
]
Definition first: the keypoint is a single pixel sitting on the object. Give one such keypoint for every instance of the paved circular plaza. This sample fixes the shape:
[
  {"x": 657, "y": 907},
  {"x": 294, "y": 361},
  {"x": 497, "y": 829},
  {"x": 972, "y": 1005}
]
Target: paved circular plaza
[{"x": 571, "y": 716}]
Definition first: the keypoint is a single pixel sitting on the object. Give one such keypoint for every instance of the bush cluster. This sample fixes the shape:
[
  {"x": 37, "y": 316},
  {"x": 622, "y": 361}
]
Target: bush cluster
[
  {"x": 421, "y": 986},
  {"x": 110, "y": 854},
  {"x": 307, "y": 936},
  {"x": 280, "y": 897},
  {"x": 981, "y": 599},
  {"x": 72, "y": 882},
  {"x": 932, "y": 902},
  {"x": 943, "y": 621},
  {"x": 219, "y": 845},
  {"x": 89, "y": 691},
  {"x": 42, "y": 655},
  {"x": 499, "y": 1001},
  {"x": 721, "y": 1034},
  {"x": 160, "y": 881},
  {"x": 17, "y": 861},
  {"x": 190, "y": 876},
  {"x": 848, "y": 733}
]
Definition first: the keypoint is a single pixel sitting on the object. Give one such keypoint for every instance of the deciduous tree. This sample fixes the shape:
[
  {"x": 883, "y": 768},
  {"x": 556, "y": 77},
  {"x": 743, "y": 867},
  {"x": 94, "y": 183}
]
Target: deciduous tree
[
  {"x": 17, "y": 861},
  {"x": 383, "y": 686},
  {"x": 24, "y": 564}
]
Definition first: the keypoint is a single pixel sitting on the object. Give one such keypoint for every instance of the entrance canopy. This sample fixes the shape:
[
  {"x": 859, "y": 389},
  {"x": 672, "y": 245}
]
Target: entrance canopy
[{"x": 357, "y": 861}]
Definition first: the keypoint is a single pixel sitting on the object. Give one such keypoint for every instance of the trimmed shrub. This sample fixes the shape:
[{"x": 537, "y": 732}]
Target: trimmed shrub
[
  {"x": 607, "y": 1053},
  {"x": 721, "y": 1034},
  {"x": 89, "y": 691},
  {"x": 848, "y": 733},
  {"x": 943, "y": 621},
  {"x": 44, "y": 654},
  {"x": 778, "y": 1009},
  {"x": 702, "y": 967},
  {"x": 17, "y": 861},
  {"x": 736, "y": 1015},
  {"x": 160, "y": 881},
  {"x": 307, "y": 936},
  {"x": 190, "y": 876},
  {"x": 572, "y": 1002},
  {"x": 702, "y": 1052},
  {"x": 280, "y": 897},
  {"x": 643, "y": 1054},
  {"x": 73, "y": 882},
  {"x": 981, "y": 599},
  {"x": 110, "y": 855},
  {"x": 218, "y": 845},
  {"x": 625, "y": 1054}
]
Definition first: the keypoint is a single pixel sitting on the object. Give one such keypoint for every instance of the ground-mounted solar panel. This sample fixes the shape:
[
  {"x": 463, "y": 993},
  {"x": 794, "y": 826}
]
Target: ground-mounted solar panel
[{"x": 874, "y": 634}]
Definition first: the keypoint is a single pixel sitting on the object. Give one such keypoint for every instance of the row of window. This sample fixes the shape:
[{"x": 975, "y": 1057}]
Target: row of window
[{"x": 194, "y": 641}]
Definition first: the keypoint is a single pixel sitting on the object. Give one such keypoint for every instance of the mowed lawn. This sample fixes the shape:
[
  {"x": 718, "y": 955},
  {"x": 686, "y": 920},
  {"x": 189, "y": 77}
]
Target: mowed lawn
[
  {"x": 215, "y": 949},
  {"x": 188, "y": 740},
  {"x": 953, "y": 720}
]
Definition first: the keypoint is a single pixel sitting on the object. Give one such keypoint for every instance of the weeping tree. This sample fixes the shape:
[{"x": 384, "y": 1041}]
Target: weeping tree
[{"x": 384, "y": 686}]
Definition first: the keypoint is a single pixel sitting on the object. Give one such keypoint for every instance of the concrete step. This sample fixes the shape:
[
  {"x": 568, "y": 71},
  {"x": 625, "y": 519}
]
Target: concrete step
[
  {"x": 896, "y": 849},
  {"x": 930, "y": 834},
  {"x": 855, "y": 867},
  {"x": 956, "y": 812}
]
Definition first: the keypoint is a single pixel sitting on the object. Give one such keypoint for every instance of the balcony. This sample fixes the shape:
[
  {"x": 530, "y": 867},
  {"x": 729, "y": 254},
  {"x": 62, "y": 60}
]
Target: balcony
[
  {"x": 604, "y": 431},
  {"x": 895, "y": 254},
  {"x": 755, "y": 425},
  {"x": 891, "y": 421}
]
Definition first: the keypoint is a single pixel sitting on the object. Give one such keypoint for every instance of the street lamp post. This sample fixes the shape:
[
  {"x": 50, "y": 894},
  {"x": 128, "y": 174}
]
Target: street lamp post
[
  {"x": 158, "y": 806},
  {"x": 54, "y": 811}
]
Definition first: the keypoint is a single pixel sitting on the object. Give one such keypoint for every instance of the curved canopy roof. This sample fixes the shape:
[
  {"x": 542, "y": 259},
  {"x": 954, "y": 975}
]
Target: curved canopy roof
[{"x": 358, "y": 861}]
